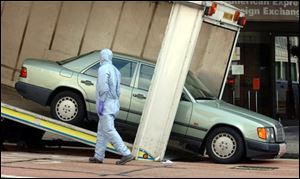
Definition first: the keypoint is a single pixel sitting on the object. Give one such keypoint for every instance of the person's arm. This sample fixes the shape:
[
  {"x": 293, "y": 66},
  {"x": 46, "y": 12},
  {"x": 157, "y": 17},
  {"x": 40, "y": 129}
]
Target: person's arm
[
  {"x": 103, "y": 84},
  {"x": 118, "y": 84}
]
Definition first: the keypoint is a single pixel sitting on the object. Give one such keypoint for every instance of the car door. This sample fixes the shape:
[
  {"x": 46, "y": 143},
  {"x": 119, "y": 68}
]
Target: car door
[
  {"x": 183, "y": 115},
  {"x": 139, "y": 94},
  {"x": 127, "y": 69},
  {"x": 87, "y": 80}
]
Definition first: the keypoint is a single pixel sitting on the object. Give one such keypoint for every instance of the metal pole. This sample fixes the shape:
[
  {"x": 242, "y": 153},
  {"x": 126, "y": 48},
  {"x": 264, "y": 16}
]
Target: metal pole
[
  {"x": 249, "y": 100},
  {"x": 233, "y": 97},
  {"x": 255, "y": 101},
  {"x": 277, "y": 105}
]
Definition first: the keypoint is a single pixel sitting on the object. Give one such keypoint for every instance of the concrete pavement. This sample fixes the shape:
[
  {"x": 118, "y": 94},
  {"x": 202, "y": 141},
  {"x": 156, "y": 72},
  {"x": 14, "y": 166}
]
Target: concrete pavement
[
  {"x": 292, "y": 140},
  {"x": 24, "y": 164}
]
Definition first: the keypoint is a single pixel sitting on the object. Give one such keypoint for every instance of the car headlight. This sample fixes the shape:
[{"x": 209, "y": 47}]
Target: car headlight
[{"x": 266, "y": 133}]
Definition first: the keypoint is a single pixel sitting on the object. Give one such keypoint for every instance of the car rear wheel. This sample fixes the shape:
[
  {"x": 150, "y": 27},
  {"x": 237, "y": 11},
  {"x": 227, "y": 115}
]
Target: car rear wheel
[
  {"x": 68, "y": 107},
  {"x": 225, "y": 145}
]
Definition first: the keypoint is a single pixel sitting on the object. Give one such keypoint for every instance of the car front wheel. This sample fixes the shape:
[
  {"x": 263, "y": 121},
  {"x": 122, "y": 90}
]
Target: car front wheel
[
  {"x": 225, "y": 145},
  {"x": 68, "y": 107}
]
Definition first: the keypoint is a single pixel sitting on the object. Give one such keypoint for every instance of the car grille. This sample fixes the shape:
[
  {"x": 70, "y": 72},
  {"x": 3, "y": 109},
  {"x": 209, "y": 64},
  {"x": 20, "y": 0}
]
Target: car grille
[{"x": 279, "y": 133}]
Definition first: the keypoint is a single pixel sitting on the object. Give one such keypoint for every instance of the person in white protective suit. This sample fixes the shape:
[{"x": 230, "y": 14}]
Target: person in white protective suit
[{"x": 107, "y": 106}]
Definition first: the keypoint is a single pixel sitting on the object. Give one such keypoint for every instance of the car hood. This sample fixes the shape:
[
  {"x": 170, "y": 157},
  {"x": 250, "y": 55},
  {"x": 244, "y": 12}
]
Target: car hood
[{"x": 241, "y": 112}]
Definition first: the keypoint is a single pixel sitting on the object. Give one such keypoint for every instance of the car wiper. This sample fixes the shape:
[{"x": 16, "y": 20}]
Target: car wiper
[
  {"x": 58, "y": 62},
  {"x": 206, "y": 98}
]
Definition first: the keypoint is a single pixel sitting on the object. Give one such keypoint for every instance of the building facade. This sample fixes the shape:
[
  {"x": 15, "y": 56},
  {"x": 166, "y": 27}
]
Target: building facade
[
  {"x": 265, "y": 70},
  {"x": 57, "y": 30}
]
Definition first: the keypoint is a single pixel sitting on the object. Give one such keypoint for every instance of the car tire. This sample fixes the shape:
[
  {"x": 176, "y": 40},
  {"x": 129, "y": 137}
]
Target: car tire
[
  {"x": 225, "y": 145},
  {"x": 68, "y": 106},
  {"x": 31, "y": 137}
]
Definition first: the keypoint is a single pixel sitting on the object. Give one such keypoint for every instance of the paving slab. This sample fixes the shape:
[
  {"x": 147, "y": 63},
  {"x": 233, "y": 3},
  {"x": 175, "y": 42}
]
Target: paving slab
[{"x": 68, "y": 166}]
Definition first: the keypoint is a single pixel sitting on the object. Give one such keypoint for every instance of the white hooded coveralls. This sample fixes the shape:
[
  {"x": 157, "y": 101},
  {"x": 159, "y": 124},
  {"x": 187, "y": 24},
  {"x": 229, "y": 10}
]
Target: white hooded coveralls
[{"x": 108, "y": 92}]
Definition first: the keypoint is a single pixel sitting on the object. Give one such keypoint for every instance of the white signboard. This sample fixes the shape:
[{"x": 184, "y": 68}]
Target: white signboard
[{"x": 237, "y": 69}]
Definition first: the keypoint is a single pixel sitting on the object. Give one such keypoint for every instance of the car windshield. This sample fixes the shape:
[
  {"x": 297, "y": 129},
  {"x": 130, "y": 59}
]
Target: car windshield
[
  {"x": 197, "y": 89},
  {"x": 62, "y": 62}
]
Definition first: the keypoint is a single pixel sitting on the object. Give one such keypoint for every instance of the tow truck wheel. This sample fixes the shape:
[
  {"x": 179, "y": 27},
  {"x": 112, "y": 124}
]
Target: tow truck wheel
[
  {"x": 225, "y": 145},
  {"x": 68, "y": 107}
]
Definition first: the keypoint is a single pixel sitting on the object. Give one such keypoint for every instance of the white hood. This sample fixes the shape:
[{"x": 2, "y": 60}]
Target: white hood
[{"x": 105, "y": 56}]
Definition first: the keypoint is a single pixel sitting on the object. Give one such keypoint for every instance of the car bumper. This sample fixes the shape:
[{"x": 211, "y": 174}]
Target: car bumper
[
  {"x": 32, "y": 92},
  {"x": 256, "y": 149}
]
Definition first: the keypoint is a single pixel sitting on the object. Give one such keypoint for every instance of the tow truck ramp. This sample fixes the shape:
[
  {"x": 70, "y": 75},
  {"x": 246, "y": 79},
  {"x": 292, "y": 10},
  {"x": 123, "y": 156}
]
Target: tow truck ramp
[{"x": 59, "y": 128}]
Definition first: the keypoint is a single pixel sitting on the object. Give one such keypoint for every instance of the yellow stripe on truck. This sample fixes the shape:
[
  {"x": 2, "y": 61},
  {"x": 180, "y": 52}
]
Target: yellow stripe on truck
[
  {"x": 68, "y": 131},
  {"x": 51, "y": 125},
  {"x": 42, "y": 123}
]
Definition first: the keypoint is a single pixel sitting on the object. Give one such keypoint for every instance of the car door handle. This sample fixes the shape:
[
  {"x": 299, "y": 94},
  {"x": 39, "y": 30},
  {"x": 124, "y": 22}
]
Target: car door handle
[
  {"x": 87, "y": 82},
  {"x": 140, "y": 96}
]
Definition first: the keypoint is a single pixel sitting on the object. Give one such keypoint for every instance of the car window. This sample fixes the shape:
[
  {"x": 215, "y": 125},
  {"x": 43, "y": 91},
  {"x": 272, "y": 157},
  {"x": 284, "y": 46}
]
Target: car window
[
  {"x": 197, "y": 89},
  {"x": 125, "y": 67},
  {"x": 93, "y": 71},
  {"x": 81, "y": 62},
  {"x": 62, "y": 62},
  {"x": 145, "y": 76}
]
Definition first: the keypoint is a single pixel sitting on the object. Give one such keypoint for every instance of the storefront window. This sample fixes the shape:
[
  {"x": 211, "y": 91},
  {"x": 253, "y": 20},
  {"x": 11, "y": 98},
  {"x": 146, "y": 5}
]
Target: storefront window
[
  {"x": 287, "y": 78},
  {"x": 250, "y": 82}
]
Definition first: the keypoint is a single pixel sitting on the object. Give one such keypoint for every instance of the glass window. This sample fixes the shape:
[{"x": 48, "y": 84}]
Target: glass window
[
  {"x": 197, "y": 89},
  {"x": 294, "y": 72},
  {"x": 287, "y": 91},
  {"x": 62, "y": 62},
  {"x": 284, "y": 71},
  {"x": 81, "y": 62},
  {"x": 278, "y": 70},
  {"x": 126, "y": 68},
  {"x": 146, "y": 74},
  {"x": 93, "y": 71}
]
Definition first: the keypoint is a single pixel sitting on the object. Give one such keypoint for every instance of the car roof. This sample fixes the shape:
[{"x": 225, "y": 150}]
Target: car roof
[
  {"x": 78, "y": 66},
  {"x": 132, "y": 57}
]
